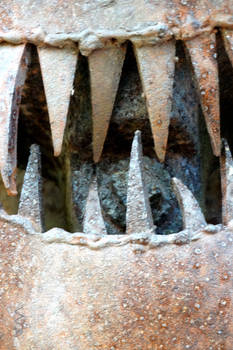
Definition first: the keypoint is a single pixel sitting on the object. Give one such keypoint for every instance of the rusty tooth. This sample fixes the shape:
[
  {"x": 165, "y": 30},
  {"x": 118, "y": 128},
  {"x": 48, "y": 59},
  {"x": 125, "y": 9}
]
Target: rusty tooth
[
  {"x": 192, "y": 215},
  {"x": 58, "y": 71},
  {"x": 105, "y": 67},
  {"x": 156, "y": 67},
  {"x": 13, "y": 67},
  {"x": 138, "y": 214},
  {"x": 30, "y": 204},
  {"x": 203, "y": 55},
  {"x": 228, "y": 41},
  {"x": 93, "y": 220},
  {"x": 226, "y": 163}
]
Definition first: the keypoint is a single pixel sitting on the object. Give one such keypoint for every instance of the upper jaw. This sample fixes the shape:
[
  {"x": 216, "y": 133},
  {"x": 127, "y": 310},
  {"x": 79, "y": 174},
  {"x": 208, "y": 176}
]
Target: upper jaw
[{"x": 153, "y": 33}]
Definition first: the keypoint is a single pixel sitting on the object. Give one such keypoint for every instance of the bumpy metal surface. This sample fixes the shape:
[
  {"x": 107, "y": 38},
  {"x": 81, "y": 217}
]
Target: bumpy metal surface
[
  {"x": 204, "y": 59},
  {"x": 68, "y": 296},
  {"x": 101, "y": 29},
  {"x": 90, "y": 290},
  {"x": 138, "y": 214},
  {"x": 93, "y": 23},
  {"x": 58, "y": 69},
  {"x": 105, "y": 71},
  {"x": 192, "y": 215},
  {"x": 30, "y": 204},
  {"x": 156, "y": 66},
  {"x": 93, "y": 221},
  {"x": 95, "y": 291}
]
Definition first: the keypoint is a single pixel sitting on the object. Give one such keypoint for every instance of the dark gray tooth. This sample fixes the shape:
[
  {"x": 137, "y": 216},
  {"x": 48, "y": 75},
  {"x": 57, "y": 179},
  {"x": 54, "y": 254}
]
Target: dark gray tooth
[
  {"x": 193, "y": 217},
  {"x": 14, "y": 60},
  {"x": 93, "y": 222},
  {"x": 30, "y": 204},
  {"x": 138, "y": 214},
  {"x": 226, "y": 163}
]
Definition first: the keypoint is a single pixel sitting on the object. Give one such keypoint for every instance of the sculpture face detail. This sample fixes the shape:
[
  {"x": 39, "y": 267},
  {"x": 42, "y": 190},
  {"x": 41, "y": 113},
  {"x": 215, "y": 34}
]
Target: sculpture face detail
[{"x": 90, "y": 290}]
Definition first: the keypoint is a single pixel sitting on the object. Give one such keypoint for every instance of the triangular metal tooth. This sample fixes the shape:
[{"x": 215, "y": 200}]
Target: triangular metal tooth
[
  {"x": 30, "y": 204},
  {"x": 228, "y": 42},
  {"x": 105, "y": 67},
  {"x": 226, "y": 163},
  {"x": 203, "y": 55},
  {"x": 156, "y": 67},
  {"x": 93, "y": 222},
  {"x": 192, "y": 215},
  {"x": 14, "y": 60},
  {"x": 138, "y": 214},
  {"x": 58, "y": 70}
]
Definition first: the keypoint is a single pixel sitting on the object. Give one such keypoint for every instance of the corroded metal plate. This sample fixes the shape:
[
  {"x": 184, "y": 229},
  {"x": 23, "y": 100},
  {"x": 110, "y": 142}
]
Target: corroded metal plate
[
  {"x": 91, "y": 22},
  {"x": 63, "y": 291}
]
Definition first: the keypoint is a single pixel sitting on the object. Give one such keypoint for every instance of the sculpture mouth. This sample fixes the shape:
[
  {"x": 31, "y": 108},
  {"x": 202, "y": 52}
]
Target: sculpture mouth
[{"x": 157, "y": 103}]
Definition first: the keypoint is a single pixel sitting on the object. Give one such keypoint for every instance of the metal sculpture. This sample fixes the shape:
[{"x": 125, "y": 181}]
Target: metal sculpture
[{"x": 91, "y": 290}]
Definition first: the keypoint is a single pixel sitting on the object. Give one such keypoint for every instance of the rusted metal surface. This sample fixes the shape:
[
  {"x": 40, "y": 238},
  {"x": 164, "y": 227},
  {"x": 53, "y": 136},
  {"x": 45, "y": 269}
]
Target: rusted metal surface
[
  {"x": 95, "y": 23},
  {"x": 203, "y": 54},
  {"x": 105, "y": 70},
  {"x": 193, "y": 217},
  {"x": 58, "y": 69},
  {"x": 137, "y": 291},
  {"x": 93, "y": 221},
  {"x": 156, "y": 66},
  {"x": 100, "y": 29},
  {"x": 228, "y": 40},
  {"x": 30, "y": 204},
  {"x": 138, "y": 213},
  {"x": 66, "y": 296},
  {"x": 13, "y": 66}
]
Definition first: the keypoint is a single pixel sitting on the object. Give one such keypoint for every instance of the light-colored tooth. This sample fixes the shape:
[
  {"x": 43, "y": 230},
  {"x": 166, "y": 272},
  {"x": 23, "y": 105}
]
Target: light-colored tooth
[
  {"x": 156, "y": 66},
  {"x": 58, "y": 71},
  {"x": 138, "y": 214},
  {"x": 14, "y": 60},
  {"x": 93, "y": 222},
  {"x": 203, "y": 55},
  {"x": 105, "y": 67},
  {"x": 193, "y": 218},
  {"x": 226, "y": 163},
  {"x": 228, "y": 41},
  {"x": 30, "y": 204}
]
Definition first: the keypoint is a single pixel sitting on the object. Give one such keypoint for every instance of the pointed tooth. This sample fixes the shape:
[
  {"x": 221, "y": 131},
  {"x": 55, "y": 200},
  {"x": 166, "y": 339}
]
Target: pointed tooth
[
  {"x": 14, "y": 60},
  {"x": 138, "y": 214},
  {"x": 105, "y": 70},
  {"x": 191, "y": 211},
  {"x": 226, "y": 164},
  {"x": 203, "y": 55},
  {"x": 228, "y": 41},
  {"x": 30, "y": 204},
  {"x": 58, "y": 71},
  {"x": 93, "y": 220},
  {"x": 156, "y": 66}
]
